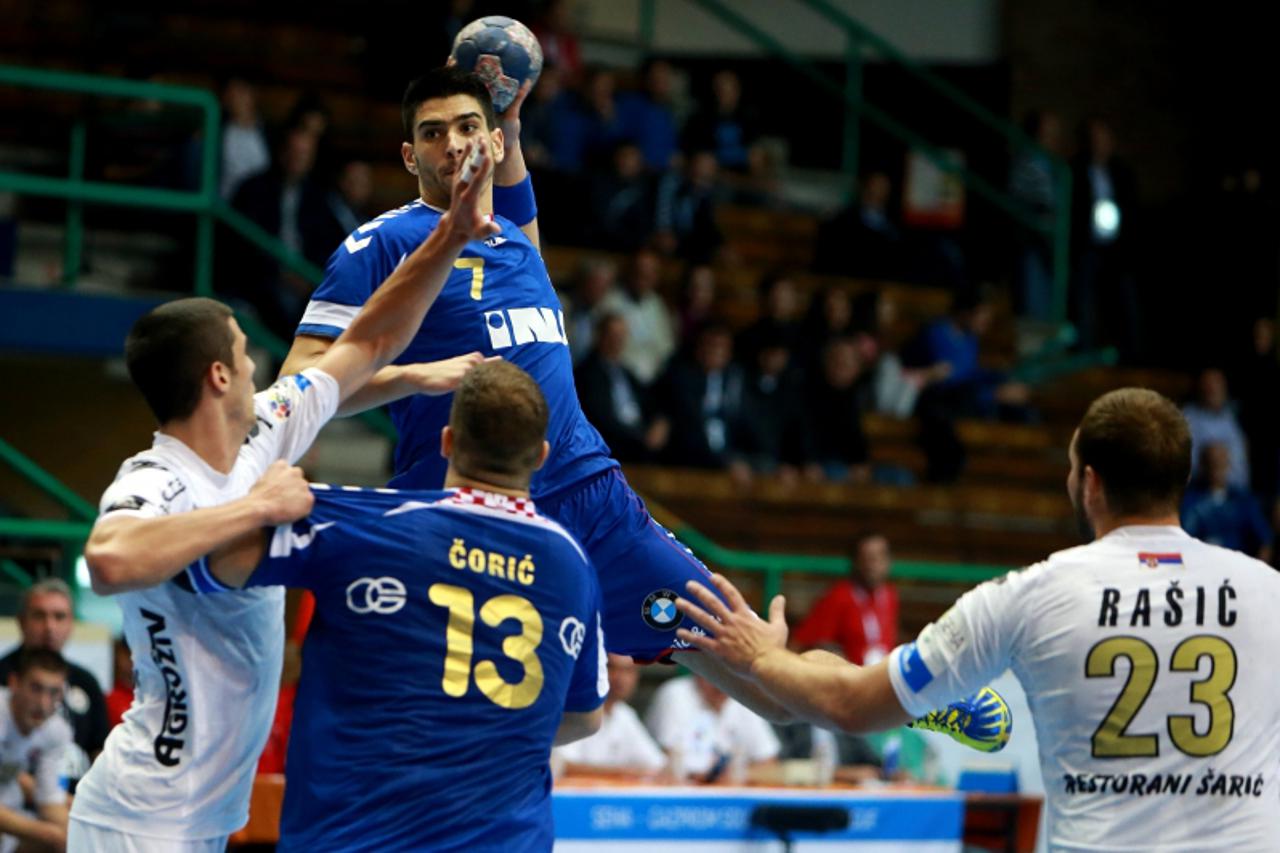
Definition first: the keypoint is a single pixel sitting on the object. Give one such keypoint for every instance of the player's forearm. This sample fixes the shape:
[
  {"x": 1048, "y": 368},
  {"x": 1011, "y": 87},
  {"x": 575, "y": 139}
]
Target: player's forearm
[
  {"x": 127, "y": 553},
  {"x": 27, "y": 828},
  {"x": 820, "y": 692},
  {"x": 391, "y": 317},
  {"x": 576, "y": 726},
  {"x": 386, "y": 386}
]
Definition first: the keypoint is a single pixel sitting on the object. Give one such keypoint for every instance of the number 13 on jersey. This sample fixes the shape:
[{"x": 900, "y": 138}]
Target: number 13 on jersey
[{"x": 459, "y": 640}]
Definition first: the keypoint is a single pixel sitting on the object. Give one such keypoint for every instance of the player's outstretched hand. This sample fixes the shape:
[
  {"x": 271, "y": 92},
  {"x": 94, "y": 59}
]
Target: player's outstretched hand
[
  {"x": 283, "y": 494},
  {"x": 736, "y": 634},
  {"x": 465, "y": 218},
  {"x": 442, "y": 377},
  {"x": 509, "y": 121}
]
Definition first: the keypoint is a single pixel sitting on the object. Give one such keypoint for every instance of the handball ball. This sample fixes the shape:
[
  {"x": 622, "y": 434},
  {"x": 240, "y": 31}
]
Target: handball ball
[{"x": 503, "y": 52}]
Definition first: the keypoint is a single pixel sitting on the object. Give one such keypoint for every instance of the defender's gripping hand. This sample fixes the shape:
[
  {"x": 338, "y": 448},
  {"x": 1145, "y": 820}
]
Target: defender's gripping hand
[{"x": 982, "y": 721}]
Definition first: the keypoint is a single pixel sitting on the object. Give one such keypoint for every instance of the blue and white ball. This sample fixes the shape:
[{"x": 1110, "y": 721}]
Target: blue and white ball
[{"x": 503, "y": 52}]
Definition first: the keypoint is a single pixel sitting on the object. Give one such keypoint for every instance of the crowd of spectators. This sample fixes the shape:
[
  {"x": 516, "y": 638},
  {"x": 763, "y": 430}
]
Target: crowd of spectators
[{"x": 785, "y": 396}]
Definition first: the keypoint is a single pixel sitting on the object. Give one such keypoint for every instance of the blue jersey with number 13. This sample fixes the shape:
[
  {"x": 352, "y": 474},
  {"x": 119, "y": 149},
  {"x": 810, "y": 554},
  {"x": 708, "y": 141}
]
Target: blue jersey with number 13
[{"x": 452, "y": 631}]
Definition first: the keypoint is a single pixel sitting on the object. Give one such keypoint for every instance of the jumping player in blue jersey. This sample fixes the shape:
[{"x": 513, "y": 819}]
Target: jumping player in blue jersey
[
  {"x": 500, "y": 302},
  {"x": 456, "y": 638}
]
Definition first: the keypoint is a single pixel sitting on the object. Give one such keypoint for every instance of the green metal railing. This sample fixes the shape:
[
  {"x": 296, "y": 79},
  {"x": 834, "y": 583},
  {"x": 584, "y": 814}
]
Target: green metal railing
[
  {"x": 858, "y": 38},
  {"x": 72, "y": 534},
  {"x": 774, "y": 565},
  {"x": 208, "y": 207}
]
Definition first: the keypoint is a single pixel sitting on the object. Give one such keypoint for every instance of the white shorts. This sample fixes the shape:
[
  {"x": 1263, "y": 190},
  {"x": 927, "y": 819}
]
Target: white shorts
[{"x": 87, "y": 838}]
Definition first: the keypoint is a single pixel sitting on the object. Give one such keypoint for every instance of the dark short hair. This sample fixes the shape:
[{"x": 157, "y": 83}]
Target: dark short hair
[
  {"x": 443, "y": 83},
  {"x": 499, "y": 421},
  {"x": 45, "y": 659},
  {"x": 1140, "y": 445},
  {"x": 169, "y": 349}
]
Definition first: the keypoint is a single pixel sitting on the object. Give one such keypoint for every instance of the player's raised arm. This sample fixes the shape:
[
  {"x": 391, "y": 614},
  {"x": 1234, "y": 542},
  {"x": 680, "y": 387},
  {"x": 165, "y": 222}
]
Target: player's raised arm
[
  {"x": 387, "y": 323},
  {"x": 512, "y": 186}
]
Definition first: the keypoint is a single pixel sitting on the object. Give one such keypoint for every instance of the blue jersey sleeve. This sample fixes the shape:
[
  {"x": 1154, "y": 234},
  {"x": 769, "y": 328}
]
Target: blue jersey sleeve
[
  {"x": 354, "y": 269},
  {"x": 294, "y": 556},
  {"x": 590, "y": 681}
]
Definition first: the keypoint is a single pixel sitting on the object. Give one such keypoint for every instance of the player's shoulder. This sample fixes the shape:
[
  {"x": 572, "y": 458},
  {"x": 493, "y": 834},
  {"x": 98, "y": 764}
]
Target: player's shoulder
[
  {"x": 153, "y": 476},
  {"x": 1236, "y": 565},
  {"x": 411, "y": 221}
]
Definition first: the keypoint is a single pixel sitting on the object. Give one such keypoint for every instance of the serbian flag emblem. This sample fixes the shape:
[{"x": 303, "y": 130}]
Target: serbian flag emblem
[{"x": 1154, "y": 561}]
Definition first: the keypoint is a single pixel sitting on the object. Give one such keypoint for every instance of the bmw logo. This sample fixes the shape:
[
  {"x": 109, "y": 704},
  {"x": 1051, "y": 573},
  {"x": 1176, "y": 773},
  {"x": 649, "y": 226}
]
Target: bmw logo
[{"x": 659, "y": 610}]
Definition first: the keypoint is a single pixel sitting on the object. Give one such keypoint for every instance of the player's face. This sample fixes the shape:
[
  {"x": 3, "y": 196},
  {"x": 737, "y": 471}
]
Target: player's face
[
  {"x": 36, "y": 695},
  {"x": 46, "y": 624},
  {"x": 442, "y": 129}
]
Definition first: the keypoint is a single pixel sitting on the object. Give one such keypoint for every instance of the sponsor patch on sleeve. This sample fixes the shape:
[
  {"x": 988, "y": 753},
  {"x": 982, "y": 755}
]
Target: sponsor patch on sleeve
[{"x": 913, "y": 669}]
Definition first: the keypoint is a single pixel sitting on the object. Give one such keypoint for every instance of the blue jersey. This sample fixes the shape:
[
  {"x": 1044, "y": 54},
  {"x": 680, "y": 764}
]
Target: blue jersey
[
  {"x": 452, "y": 630},
  {"x": 498, "y": 301}
]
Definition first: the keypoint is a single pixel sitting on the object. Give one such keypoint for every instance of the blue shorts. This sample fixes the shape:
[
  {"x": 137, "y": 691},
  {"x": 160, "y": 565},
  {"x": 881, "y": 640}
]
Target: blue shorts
[{"x": 642, "y": 567}]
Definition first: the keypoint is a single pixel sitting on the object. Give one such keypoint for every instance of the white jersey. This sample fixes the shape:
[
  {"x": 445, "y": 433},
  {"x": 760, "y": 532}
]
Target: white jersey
[
  {"x": 207, "y": 667},
  {"x": 40, "y": 752},
  {"x": 622, "y": 741},
  {"x": 1148, "y": 662}
]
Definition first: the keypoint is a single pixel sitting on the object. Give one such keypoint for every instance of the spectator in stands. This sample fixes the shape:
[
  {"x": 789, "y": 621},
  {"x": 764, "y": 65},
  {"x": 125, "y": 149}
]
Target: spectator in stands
[
  {"x": 351, "y": 198},
  {"x": 830, "y": 316},
  {"x": 956, "y": 341},
  {"x": 593, "y": 128},
  {"x": 776, "y": 424},
  {"x": 555, "y": 33},
  {"x": 1212, "y": 419},
  {"x": 623, "y": 744},
  {"x": 685, "y": 220},
  {"x": 597, "y": 281},
  {"x": 33, "y": 738},
  {"x": 1217, "y": 512},
  {"x": 289, "y": 202},
  {"x": 244, "y": 143},
  {"x": 650, "y": 117},
  {"x": 703, "y": 398},
  {"x": 1104, "y": 290},
  {"x": 779, "y": 318},
  {"x": 45, "y": 621},
  {"x": 697, "y": 303},
  {"x": 948, "y": 350},
  {"x": 622, "y": 202},
  {"x": 725, "y": 127},
  {"x": 543, "y": 118},
  {"x": 863, "y": 239},
  {"x": 856, "y": 617},
  {"x": 651, "y": 334},
  {"x": 895, "y": 387},
  {"x": 121, "y": 695},
  {"x": 1032, "y": 184},
  {"x": 615, "y": 403},
  {"x": 1256, "y": 380},
  {"x": 705, "y": 732},
  {"x": 835, "y": 403}
]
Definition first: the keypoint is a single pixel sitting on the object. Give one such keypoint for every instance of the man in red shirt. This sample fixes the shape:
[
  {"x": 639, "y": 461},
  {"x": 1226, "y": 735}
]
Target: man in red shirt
[{"x": 857, "y": 616}]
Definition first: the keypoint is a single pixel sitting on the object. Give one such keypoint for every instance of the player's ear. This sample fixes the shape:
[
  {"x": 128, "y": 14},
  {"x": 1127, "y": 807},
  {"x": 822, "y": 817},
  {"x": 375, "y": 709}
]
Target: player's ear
[
  {"x": 1093, "y": 495},
  {"x": 406, "y": 154},
  {"x": 446, "y": 442},
  {"x": 542, "y": 455},
  {"x": 499, "y": 145},
  {"x": 219, "y": 376}
]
